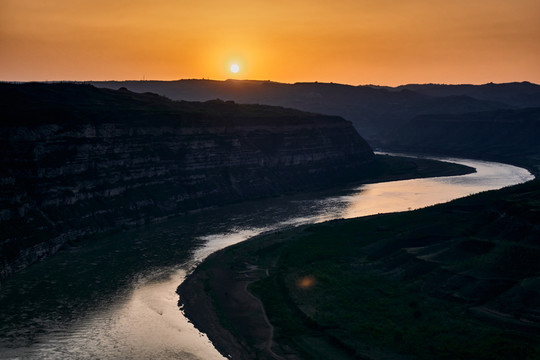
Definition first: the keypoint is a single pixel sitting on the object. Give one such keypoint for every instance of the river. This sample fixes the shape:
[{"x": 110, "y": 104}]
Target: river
[{"x": 114, "y": 298}]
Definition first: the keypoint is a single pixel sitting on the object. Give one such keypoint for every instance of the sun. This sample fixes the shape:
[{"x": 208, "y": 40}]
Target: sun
[{"x": 235, "y": 68}]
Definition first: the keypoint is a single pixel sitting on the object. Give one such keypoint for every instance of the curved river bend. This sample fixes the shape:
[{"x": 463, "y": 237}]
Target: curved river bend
[{"x": 115, "y": 298}]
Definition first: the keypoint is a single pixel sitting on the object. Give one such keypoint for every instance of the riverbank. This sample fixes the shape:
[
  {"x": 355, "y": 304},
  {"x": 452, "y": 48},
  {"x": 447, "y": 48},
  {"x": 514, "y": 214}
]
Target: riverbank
[
  {"x": 379, "y": 286},
  {"x": 113, "y": 292},
  {"x": 216, "y": 299}
]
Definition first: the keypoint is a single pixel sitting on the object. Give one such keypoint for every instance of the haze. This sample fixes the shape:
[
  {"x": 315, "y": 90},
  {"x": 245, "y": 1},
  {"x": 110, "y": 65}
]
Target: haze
[{"x": 349, "y": 41}]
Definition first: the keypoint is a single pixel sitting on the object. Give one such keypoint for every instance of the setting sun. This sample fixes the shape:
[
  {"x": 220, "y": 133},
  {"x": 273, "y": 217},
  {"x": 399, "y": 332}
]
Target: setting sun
[
  {"x": 235, "y": 68},
  {"x": 270, "y": 179},
  {"x": 359, "y": 42}
]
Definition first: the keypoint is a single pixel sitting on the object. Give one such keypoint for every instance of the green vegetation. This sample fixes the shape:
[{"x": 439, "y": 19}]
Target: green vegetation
[
  {"x": 455, "y": 281},
  {"x": 386, "y": 167}
]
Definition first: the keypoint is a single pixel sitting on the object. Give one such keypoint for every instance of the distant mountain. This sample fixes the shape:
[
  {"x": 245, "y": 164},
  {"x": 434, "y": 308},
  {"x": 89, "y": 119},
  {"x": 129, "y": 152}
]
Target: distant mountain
[
  {"x": 372, "y": 110},
  {"x": 511, "y": 134},
  {"x": 523, "y": 94},
  {"x": 482, "y": 120}
]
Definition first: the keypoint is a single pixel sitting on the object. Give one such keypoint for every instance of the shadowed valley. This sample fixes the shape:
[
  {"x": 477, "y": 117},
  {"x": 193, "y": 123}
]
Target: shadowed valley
[{"x": 78, "y": 161}]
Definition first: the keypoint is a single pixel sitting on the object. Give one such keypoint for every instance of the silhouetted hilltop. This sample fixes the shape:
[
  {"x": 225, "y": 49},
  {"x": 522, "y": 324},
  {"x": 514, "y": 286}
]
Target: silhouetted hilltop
[
  {"x": 372, "y": 109},
  {"x": 522, "y": 94},
  {"x": 39, "y": 103},
  {"x": 511, "y": 134}
]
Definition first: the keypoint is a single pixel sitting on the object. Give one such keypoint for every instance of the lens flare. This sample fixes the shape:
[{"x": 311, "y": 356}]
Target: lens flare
[{"x": 306, "y": 282}]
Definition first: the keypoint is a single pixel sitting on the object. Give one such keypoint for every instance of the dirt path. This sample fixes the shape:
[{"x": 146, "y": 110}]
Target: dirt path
[{"x": 270, "y": 339}]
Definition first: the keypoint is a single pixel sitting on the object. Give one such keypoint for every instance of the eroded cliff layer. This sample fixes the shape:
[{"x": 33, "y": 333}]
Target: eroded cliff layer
[{"x": 77, "y": 160}]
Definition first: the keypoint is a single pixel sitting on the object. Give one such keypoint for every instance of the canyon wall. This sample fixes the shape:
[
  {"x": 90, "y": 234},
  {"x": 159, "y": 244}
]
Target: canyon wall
[{"x": 78, "y": 161}]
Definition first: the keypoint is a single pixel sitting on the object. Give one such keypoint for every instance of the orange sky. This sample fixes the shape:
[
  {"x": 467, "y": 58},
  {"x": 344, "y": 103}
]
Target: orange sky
[{"x": 386, "y": 42}]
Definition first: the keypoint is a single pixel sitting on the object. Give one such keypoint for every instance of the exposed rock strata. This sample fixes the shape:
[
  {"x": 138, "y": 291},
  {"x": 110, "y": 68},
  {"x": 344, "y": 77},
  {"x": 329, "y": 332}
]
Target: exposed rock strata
[{"x": 78, "y": 161}]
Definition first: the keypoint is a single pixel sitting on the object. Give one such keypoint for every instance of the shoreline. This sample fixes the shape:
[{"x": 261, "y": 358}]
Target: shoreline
[
  {"x": 227, "y": 277},
  {"x": 219, "y": 285}
]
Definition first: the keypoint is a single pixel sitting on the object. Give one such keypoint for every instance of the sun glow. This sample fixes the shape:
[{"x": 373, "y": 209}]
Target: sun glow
[
  {"x": 422, "y": 41},
  {"x": 235, "y": 68}
]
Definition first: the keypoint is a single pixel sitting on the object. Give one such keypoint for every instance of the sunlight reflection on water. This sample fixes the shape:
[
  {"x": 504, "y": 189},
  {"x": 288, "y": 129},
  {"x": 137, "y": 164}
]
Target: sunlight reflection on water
[{"x": 143, "y": 320}]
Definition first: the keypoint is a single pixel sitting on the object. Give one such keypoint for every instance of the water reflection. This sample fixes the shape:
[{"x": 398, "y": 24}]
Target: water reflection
[
  {"x": 115, "y": 298},
  {"x": 418, "y": 193},
  {"x": 146, "y": 325}
]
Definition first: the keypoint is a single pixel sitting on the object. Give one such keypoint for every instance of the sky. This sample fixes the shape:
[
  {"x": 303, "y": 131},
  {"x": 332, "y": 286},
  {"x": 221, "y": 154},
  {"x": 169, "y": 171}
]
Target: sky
[{"x": 383, "y": 42}]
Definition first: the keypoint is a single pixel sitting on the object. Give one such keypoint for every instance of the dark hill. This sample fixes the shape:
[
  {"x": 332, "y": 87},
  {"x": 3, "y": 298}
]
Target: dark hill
[
  {"x": 77, "y": 160},
  {"x": 430, "y": 118},
  {"x": 41, "y": 103},
  {"x": 523, "y": 94},
  {"x": 505, "y": 135},
  {"x": 371, "y": 109}
]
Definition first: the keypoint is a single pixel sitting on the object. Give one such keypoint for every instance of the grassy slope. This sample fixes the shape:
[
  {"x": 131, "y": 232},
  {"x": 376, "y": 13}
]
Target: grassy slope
[
  {"x": 211, "y": 297},
  {"x": 455, "y": 281}
]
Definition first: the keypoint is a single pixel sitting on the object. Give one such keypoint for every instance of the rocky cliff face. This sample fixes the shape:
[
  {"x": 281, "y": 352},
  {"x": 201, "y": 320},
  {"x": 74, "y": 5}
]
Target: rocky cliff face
[
  {"x": 77, "y": 161},
  {"x": 387, "y": 117}
]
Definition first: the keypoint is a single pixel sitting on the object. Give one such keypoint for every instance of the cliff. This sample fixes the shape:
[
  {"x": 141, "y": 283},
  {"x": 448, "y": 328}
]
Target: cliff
[
  {"x": 429, "y": 117},
  {"x": 372, "y": 109},
  {"x": 78, "y": 161}
]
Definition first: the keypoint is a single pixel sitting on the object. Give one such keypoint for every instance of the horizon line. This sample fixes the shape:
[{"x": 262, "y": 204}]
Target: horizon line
[{"x": 262, "y": 81}]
